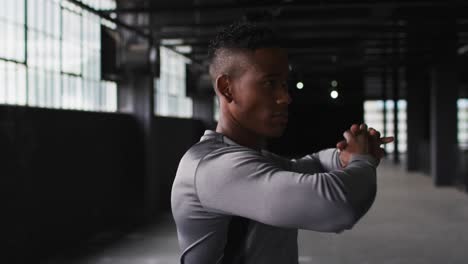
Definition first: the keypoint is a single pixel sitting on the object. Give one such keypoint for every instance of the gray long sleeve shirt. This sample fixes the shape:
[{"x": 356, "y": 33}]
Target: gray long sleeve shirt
[{"x": 232, "y": 204}]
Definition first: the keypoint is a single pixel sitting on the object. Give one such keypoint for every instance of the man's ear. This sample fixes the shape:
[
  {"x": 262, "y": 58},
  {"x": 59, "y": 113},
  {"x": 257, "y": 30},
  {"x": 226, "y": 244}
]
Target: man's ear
[{"x": 223, "y": 85}]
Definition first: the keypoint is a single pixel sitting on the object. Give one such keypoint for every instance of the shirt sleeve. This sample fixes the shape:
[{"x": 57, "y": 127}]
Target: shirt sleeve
[
  {"x": 235, "y": 180},
  {"x": 327, "y": 160},
  {"x": 322, "y": 161}
]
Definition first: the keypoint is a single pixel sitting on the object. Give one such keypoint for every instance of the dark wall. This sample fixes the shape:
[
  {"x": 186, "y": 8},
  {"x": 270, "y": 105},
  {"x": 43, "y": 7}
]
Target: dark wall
[
  {"x": 65, "y": 175},
  {"x": 316, "y": 121},
  {"x": 172, "y": 138}
]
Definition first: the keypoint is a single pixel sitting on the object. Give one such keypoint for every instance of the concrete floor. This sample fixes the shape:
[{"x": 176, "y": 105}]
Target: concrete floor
[{"x": 411, "y": 222}]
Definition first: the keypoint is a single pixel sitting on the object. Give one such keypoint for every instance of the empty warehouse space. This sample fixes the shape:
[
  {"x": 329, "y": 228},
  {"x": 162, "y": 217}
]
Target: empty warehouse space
[{"x": 100, "y": 100}]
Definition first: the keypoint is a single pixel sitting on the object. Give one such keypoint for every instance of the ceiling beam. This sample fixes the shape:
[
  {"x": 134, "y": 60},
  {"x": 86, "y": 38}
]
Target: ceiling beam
[{"x": 310, "y": 5}]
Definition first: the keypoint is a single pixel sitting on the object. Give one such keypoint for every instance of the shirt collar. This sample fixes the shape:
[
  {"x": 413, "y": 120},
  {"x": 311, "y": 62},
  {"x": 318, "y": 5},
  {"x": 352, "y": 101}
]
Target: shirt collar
[{"x": 213, "y": 134}]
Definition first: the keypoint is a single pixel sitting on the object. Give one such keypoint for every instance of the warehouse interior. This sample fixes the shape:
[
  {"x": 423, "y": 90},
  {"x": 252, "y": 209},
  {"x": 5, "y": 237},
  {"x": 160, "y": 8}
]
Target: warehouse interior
[{"x": 99, "y": 100}]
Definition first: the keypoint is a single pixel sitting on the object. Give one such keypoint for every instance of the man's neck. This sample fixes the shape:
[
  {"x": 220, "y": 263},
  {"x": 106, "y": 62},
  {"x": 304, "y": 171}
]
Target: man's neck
[{"x": 240, "y": 135}]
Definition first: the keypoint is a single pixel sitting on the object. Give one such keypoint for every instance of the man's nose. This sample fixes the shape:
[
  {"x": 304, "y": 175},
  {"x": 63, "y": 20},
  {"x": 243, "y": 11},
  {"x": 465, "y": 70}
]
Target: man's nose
[{"x": 284, "y": 98}]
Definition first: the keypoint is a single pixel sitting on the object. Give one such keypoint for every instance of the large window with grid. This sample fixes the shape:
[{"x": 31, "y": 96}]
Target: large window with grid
[
  {"x": 374, "y": 117},
  {"x": 50, "y": 55},
  {"x": 171, "y": 99}
]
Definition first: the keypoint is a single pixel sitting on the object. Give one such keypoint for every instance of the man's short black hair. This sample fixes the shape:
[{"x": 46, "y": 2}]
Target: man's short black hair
[
  {"x": 238, "y": 37},
  {"x": 243, "y": 36}
]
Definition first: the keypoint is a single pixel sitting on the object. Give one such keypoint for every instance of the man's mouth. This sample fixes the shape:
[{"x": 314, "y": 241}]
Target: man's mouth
[{"x": 281, "y": 116}]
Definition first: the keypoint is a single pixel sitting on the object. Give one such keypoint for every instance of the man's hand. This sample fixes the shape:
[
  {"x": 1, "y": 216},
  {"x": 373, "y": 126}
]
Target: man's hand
[{"x": 373, "y": 143}]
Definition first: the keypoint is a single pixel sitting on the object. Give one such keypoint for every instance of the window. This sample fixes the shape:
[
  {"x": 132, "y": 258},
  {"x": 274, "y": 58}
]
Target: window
[
  {"x": 374, "y": 117},
  {"x": 170, "y": 88},
  {"x": 12, "y": 83},
  {"x": 71, "y": 42},
  {"x": 56, "y": 62},
  {"x": 12, "y": 53},
  {"x": 462, "y": 134},
  {"x": 12, "y": 31}
]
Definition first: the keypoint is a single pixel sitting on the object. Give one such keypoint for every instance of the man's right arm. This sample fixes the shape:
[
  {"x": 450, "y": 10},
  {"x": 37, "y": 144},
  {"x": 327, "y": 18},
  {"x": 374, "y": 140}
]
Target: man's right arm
[{"x": 238, "y": 181}]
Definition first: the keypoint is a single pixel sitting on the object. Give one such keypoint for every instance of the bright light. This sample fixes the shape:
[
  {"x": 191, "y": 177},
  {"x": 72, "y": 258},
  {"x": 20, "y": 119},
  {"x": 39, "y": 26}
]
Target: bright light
[
  {"x": 334, "y": 94},
  {"x": 334, "y": 83},
  {"x": 300, "y": 85}
]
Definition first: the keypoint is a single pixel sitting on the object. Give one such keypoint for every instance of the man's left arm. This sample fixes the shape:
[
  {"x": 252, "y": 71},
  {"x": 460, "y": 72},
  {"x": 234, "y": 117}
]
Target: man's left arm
[
  {"x": 334, "y": 158},
  {"x": 323, "y": 161}
]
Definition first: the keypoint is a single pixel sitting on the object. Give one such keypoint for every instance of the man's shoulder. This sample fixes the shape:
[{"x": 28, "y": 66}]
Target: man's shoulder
[
  {"x": 202, "y": 148},
  {"x": 196, "y": 153},
  {"x": 214, "y": 148}
]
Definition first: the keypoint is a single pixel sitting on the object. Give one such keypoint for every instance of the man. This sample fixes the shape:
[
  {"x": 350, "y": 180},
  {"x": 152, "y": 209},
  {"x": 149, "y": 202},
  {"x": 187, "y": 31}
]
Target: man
[{"x": 234, "y": 202}]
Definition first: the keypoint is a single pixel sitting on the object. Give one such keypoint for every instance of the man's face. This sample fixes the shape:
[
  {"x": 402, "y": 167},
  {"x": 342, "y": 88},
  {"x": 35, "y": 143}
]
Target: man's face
[{"x": 260, "y": 93}]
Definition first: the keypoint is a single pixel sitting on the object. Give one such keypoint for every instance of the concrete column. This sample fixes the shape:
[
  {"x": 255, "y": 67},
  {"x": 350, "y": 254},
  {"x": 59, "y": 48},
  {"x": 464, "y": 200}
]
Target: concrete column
[
  {"x": 136, "y": 97},
  {"x": 384, "y": 98},
  {"x": 444, "y": 93},
  {"x": 417, "y": 118},
  {"x": 396, "y": 95},
  {"x": 417, "y": 84}
]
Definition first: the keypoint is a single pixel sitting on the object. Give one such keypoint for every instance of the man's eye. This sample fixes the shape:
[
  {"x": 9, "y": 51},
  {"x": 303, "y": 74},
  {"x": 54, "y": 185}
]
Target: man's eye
[{"x": 270, "y": 83}]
